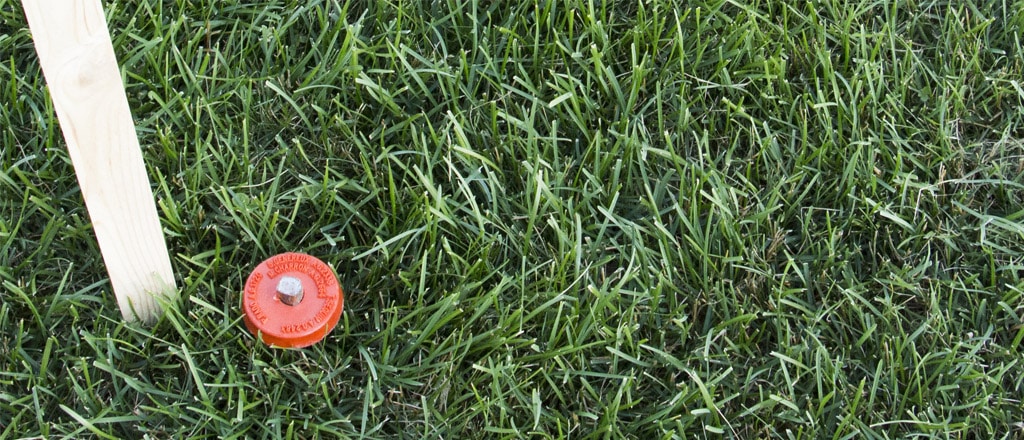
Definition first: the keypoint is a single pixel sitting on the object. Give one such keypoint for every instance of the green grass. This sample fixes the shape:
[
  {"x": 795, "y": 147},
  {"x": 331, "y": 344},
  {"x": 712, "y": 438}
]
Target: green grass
[{"x": 552, "y": 218}]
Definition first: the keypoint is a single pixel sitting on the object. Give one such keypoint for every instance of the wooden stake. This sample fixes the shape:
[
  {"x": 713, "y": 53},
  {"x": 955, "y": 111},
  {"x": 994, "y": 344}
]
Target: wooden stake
[{"x": 77, "y": 58}]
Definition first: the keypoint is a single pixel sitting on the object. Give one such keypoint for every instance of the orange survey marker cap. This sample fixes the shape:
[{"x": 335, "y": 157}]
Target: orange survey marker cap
[{"x": 292, "y": 300}]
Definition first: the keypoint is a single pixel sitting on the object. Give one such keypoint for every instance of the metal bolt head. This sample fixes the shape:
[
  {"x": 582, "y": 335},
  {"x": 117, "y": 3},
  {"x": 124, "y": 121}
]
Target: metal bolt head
[{"x": 289, "y": 290}]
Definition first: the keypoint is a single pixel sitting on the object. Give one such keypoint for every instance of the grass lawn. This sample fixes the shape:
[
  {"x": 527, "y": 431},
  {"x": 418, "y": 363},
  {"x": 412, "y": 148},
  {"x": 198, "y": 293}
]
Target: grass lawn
[{"x": 551, "y": 218}]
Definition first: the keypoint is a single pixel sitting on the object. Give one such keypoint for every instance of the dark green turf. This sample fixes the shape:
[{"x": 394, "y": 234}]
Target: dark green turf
[{"x": 644, "y": 219}]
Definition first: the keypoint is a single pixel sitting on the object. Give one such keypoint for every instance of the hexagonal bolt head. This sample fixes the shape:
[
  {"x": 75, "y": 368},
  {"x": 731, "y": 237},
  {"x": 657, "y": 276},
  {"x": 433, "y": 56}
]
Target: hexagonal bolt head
[{"x": 289, "y": 290}]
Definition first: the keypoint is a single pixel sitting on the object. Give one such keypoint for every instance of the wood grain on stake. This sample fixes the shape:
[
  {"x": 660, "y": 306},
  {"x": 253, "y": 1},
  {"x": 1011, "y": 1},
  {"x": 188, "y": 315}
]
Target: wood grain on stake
[{"x": 77, "y": 58}]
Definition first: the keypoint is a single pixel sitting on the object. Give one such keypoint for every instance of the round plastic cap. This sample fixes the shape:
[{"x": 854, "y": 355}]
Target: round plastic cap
[{"x": 292, "y": 300}]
